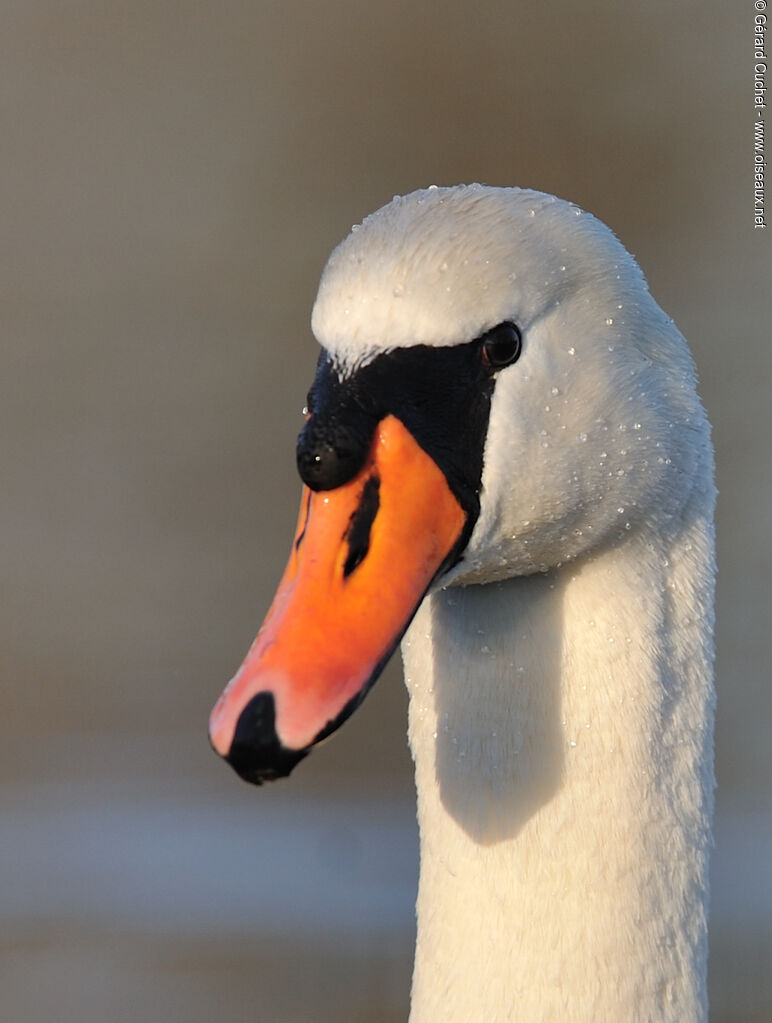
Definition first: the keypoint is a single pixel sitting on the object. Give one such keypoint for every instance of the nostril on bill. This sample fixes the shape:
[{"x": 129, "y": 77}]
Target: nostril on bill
[{"x": 359, "y": 528}]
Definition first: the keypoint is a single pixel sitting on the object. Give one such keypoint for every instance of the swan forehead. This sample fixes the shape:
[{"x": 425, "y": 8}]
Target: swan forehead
[{"x": 442, "y": 265}]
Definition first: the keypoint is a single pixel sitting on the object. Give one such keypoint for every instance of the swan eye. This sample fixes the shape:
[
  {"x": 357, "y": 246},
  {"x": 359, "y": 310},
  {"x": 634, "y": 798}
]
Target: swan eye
[{"x": 501, "y": 346}]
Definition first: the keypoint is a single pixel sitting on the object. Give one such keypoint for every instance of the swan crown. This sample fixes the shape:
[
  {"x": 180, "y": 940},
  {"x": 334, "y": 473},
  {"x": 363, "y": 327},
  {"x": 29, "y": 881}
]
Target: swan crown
[{"x": 442, "y": 265}]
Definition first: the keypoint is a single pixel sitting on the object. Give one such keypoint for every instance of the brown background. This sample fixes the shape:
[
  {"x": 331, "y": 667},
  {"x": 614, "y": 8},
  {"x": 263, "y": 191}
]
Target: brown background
[{"x": 173, "y": 176}]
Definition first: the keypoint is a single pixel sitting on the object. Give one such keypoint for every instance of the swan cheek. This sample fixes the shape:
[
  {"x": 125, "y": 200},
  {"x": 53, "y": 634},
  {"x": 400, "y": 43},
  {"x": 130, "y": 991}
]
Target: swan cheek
[{"x": 364, "y": 556}]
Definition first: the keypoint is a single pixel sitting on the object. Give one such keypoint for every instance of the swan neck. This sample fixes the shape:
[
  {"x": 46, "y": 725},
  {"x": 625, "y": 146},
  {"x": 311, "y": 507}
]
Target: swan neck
[{"x": 561, "y": 727}]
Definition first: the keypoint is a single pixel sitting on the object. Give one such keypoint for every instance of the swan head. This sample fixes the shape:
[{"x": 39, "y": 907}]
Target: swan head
[
  {"x": 498, "y": 392},
  {"x": 587, "y": 421}
]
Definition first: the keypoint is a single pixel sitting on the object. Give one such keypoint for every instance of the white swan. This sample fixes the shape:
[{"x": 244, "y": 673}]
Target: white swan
[{"x": 503, "y": 415}]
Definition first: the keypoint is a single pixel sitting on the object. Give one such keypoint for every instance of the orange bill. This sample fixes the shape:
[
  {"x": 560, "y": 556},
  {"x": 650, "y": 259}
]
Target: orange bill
[{"x": 363, "y": 557}]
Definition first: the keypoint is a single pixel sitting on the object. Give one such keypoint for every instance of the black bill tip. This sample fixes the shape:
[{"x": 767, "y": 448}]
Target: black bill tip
[{"x": 257, "y": 753}]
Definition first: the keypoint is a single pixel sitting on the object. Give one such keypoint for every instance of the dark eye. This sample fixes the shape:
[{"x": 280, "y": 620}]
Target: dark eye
[{"x": 501, "y": 346}]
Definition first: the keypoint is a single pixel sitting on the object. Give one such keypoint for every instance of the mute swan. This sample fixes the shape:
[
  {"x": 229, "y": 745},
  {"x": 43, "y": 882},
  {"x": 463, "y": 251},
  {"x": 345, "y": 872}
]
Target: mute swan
[{"x": 506, "y": 462}]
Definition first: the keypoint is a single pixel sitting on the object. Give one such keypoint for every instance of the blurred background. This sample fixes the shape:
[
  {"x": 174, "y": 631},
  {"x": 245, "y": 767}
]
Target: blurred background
[{"x": 173, "y": 176}]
